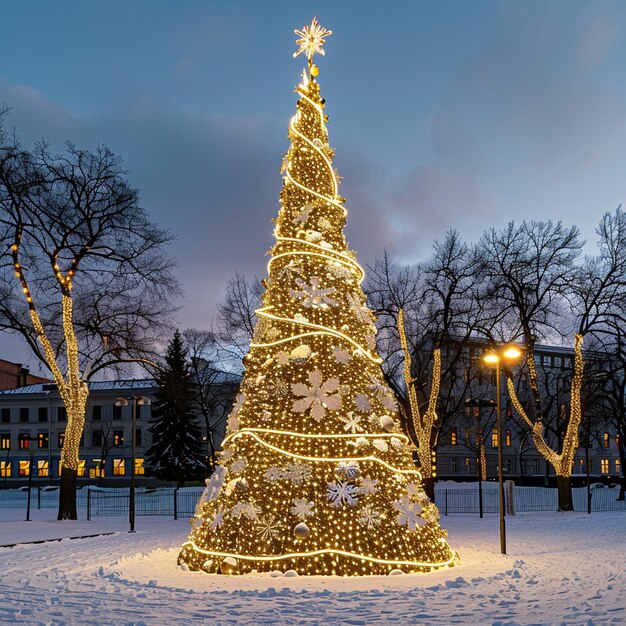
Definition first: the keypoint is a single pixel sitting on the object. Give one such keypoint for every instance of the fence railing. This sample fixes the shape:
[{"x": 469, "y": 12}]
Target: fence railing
[{"x": 181, "y": 503}]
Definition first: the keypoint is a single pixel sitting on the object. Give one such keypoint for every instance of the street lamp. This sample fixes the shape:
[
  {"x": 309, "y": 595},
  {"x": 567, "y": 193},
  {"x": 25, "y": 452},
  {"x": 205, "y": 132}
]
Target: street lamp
[
  {"x": 141, "y": 400},
  {"x": 509, "y": 354}
]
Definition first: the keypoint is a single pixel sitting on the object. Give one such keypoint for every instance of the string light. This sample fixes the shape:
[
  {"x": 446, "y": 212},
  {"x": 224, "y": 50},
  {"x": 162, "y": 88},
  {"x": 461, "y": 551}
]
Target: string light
[{"x": 315, "y": 473}]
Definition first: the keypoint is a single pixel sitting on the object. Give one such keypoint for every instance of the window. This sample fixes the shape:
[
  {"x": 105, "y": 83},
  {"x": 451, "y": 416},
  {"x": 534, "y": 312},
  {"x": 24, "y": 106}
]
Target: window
[
  {"x": 5, "y": 441},
  {"x": 138, "y": 436},
  {"x": 545, "y": 359},
  {"x": 96, "y": 412},
  {"x": 61, "y": 414},
  {"x": 81, "y": 468},
  {"x": 5, "y": 416},
  {"x": 42, "y": 468},
  {"x": 467, "y": 436},
  {"x": 119, "y": 467},
  {"x": 468, "y": 411},
  {"x": 97, "y": 439},
  {"x": 5, "y": 469},
  {"x": 509, "y": 412},
  {"x": 118, "y": 437},
  {"x": 61, "y": 440},
  {"x": 618, "y": 467},
  {"x": 558, "y": 361},
  {"x": 98, "y": 470},
  {"x": 117, "y": 412},
  {"x": 24, "y": 414},
  {"x": 581, "y": 466},
  {"x": 42, "y": 441},
  {"x": 508, "y": 466},
  {"x": 139, "y": 468},
  {"x": 24, "y": 468},
  {"x": 138, "y": 410},
  {"x": 476, "y": 411},
  {"x": 468, "y": 465},
  {"x": 590, "y": 465},
  {"x": 42, "y": 414},
  {"x": 494, "y": 438},
  {"x": 23, "y": 441},
  {"x": 604, "y": 466},
  {"x": 453, "y": 436},
  {"x": 535, "y": 466},
  {"x": 507, "y": 437},
  {"x": 606, "y": 440}
]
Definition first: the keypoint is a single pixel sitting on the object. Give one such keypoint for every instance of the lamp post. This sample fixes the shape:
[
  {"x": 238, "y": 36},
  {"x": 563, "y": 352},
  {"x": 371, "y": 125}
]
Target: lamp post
[
  {"x": 509, "y": 354},
  {"x": 136, "y": 400}
]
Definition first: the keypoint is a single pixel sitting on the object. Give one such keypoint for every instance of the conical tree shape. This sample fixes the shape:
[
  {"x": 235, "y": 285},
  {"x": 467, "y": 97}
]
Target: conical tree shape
[{"x": 315, "y": 473}]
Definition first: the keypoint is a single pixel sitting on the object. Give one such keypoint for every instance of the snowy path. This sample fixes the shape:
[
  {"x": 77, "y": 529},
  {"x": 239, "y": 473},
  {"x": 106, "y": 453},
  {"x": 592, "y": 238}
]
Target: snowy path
[{"x": 562, "y": 569}]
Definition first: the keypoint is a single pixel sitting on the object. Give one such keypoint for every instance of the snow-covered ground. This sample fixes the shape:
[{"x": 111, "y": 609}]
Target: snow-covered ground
[{"x": 561, "y": 569}]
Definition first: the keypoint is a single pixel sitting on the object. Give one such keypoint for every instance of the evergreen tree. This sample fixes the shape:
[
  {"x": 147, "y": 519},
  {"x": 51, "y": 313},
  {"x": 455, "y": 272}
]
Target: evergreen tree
[
  {"x": 176, "y": 451},
  {"x": 315, "y": 472}
]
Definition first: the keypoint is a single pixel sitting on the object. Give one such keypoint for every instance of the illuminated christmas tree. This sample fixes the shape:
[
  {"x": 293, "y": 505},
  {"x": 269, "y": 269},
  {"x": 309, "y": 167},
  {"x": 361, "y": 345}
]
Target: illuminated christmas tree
[{"x": 316, "y": 475}]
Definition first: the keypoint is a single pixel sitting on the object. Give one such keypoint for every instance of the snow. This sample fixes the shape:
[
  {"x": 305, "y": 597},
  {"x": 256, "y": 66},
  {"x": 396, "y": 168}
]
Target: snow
[{"x": 561, "y": 569}]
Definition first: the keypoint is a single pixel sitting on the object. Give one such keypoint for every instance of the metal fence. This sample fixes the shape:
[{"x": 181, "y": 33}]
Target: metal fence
[
  {"x": 181, "y": 503},
  {"x": 525, "y": 500}
]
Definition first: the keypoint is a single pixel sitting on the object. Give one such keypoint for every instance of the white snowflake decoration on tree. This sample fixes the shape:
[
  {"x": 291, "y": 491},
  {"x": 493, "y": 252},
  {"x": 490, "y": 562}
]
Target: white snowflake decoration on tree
[
  {"x": 302, "y": 508},
  {"x": 304, "y": 214},
  {"x": 341, "y": 355},
  {"x": 273, "y": 473},
  {"x": 340, "y": 493},
  {"x": 369, "y": 517},
  {"x": 214, "y": 484},
  {"x": 352, "y": 422},
  {"x": 298, "y": 473},
  {"x": 408, "y": 513},
  {"x": 380, "y": 444},
  {"x": 359, "y": 309},
  {"x": 269, "y": 528},
  {"x": 348, "y": 469},
  {"x": 362, "y": 403},
  {"x": 317, "y": 398},
  {"x": 238, "y": 465},
  {"x": 368, "y": 486},
  {"x": 233, "y": 418},
  {"x": 313, "y": 295},
  {"x": 311, "y": 39},
  {"x": 245, "y": 509}
]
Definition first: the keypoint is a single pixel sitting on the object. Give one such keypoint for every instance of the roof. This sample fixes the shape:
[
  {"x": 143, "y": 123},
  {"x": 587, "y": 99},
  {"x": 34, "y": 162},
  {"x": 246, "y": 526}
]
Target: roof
[{"x": 103, "y": 385}]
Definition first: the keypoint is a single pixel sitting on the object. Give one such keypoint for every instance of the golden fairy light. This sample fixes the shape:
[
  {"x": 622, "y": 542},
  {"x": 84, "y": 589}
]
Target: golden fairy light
[{"x": 315, "y": 473}]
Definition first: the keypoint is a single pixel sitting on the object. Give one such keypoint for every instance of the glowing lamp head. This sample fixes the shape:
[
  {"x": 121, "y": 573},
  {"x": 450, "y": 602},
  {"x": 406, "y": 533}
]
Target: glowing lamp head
[
  {"x": 512, "y": 353},
  {"x": 491, "y": 358}
]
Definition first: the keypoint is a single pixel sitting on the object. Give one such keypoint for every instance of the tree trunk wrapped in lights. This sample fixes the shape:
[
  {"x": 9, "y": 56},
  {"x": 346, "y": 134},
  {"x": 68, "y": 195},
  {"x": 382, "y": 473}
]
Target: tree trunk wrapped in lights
[
  {"x": 561, "y": 461},
  {"x": 425, "y": 426},
  {"x": 315, "y": 474}
]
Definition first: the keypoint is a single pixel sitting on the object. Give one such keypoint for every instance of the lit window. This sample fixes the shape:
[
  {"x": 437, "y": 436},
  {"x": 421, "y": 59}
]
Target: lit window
[
  {"x": 468, "y": 465},
  {"x": 476, "y": 411},
  {"x": 23, "y": 440},
  {"x": 140, "y": 470},
  {"x": 581, "y": 466},
  {"x": 42, "y": 441},
  {"x": 606, "y": 440},
  {"x": 81, "y": 468},
  {"x": 453, "y": 436},
  {"x": 5, "y": 441},
  {"x": 61, "y": 440},
  {"x": 24, "y": 468},
  {"x": 5, "y": 469},
  {"x": 119, "y": 467},
  {"x": 618, "y": 466},
  {"x": 98, "y": 470},
  {"x": 494, "y": 438},
  {"x": 42, "y": 468},
  {"x": 118, "y": 437},
  {"x": 604, "y": 466},
  {"x": 507, "y": 438}
]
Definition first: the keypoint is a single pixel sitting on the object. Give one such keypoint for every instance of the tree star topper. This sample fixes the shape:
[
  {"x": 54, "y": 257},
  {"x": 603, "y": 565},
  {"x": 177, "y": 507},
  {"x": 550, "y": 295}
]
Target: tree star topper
[{"x": 312, "y": 38}]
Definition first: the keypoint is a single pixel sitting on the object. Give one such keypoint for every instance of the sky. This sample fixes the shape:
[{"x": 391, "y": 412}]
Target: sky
[{"x": 443, "y": 114}]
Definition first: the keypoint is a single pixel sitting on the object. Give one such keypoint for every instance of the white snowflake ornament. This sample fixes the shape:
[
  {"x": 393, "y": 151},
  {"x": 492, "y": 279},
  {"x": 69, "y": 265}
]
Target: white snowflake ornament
[{"x": 318, "y": 397}]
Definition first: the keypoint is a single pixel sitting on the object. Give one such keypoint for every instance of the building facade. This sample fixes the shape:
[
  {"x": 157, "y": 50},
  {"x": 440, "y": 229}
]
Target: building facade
[
  {"x": 13, "y": 375},
  {"x": 32, "y": 429}
]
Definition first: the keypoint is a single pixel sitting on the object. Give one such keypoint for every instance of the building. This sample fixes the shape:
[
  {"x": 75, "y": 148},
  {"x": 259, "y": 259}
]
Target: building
[
  {"x": 32, "y": 428},
  {"x": 460, "y": 450},
  {"x": 13, "y": 375}
]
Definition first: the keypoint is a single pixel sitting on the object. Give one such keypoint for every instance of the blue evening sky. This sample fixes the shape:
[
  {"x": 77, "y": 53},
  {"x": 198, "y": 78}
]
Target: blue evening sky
[{"x": 444, "y": 113}]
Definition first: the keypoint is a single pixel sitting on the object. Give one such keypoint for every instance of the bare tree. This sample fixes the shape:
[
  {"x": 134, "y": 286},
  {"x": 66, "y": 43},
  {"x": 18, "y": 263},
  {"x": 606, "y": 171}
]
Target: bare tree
[
  {"x": 84, "y": 275},
  {"x": 536, "y": 277},
  {"x": 215, "y": 386}
]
